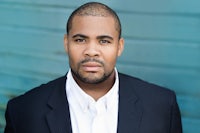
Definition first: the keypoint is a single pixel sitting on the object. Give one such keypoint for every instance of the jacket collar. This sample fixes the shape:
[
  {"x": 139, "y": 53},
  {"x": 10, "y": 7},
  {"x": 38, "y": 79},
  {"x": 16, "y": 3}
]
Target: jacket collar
[
  {"x": 129, "y": 116},
  {"x": 130, "y": 106},
  {"x": 58, "y": 118}
]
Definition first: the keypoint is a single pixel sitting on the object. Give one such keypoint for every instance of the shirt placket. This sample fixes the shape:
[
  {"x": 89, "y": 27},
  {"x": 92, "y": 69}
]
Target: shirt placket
[{"x": 99, "y": 119}]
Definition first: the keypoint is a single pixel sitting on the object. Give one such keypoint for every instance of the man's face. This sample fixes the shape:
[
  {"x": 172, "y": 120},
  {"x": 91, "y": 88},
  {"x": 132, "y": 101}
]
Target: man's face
[{"x": 93, "y": 46}]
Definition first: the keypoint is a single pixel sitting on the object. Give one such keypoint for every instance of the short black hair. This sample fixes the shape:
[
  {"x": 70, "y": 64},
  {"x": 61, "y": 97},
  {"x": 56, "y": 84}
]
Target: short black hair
[{"x": 94, "y": 9}]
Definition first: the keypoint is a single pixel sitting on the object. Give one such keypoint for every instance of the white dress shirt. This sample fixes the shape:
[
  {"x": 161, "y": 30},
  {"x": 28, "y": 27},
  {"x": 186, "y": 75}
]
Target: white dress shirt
[{"x": 88, "y": 115}]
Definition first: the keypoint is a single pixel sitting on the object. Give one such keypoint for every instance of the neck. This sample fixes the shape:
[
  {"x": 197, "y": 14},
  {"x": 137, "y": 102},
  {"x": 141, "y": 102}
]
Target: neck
[{"x": 96, "y": 91}]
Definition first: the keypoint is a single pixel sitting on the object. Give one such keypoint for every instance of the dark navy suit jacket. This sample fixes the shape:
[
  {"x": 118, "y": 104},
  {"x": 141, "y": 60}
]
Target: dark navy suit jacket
[{"x": 143, "y": 108}]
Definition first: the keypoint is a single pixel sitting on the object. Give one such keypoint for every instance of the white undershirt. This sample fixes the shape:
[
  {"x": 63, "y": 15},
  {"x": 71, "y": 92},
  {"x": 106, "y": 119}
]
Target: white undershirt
[{"x": 88, "y": 115}]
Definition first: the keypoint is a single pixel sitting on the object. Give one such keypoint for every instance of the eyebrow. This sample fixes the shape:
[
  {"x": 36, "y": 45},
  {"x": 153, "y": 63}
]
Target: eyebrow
[
  {"x": 105, "y": 36},
  {"x": 98, "y": 37},
  {"x": 80, "y": 35}
]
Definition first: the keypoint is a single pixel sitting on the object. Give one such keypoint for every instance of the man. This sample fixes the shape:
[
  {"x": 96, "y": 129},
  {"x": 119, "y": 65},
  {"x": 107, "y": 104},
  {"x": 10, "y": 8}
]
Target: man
[{"x": 93, "y": 97}]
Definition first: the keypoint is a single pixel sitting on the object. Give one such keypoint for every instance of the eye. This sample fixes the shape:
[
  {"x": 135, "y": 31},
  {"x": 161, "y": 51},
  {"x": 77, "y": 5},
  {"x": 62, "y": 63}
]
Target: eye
[
  {"x": 80, "y": 40},
  {"x": 104, "y": 42}
]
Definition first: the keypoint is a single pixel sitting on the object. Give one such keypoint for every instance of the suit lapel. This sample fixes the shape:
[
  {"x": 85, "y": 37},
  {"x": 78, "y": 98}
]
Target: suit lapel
[
  {"x": 58, "y": 118},
  {"x": 130, "y": 107}
]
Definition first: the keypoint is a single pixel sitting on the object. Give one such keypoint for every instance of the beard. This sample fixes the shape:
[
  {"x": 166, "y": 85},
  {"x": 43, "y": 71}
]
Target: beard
[{"x": 90, "y": 78}]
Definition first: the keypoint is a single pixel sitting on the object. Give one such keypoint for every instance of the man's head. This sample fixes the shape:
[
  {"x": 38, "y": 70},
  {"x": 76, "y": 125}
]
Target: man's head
[
  {"x": 94, "y": 9},
  {"x": 93, "y": 43}
]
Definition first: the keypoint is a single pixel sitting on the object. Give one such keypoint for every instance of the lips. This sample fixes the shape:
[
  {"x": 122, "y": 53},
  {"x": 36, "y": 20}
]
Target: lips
[{"x": 91, "y": 66}]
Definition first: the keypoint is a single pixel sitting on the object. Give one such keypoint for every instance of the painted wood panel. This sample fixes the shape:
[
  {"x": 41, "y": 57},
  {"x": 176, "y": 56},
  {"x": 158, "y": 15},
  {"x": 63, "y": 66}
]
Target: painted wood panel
[
  {"x": 157, "y": 6},
  {"x": 159, "y": 26},
  {"x": 162, "y": 47}
]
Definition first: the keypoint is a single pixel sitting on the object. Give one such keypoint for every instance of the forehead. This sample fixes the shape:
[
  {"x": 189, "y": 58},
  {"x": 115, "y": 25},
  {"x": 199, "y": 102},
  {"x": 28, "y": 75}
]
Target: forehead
[{"x": 93, "y": 25}]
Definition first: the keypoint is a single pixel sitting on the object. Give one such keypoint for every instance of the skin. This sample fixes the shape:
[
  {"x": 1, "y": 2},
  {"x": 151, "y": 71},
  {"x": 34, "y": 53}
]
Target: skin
[{"x": 93, "y": 46}]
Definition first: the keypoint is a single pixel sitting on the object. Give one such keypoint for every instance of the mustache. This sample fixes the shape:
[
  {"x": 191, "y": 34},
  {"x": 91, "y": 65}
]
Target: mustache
[{"x": 92, "y": 60}]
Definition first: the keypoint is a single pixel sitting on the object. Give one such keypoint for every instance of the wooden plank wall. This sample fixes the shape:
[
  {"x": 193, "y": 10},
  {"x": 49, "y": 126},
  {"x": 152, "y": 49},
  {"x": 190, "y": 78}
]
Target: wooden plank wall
[{"x": 162, "y": 47}]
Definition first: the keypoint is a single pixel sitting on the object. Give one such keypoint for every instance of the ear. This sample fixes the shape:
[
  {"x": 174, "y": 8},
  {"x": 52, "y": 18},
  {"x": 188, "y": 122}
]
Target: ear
[
  {"x": 121, "y": 46},
  {"x": 66, "y": 43}
]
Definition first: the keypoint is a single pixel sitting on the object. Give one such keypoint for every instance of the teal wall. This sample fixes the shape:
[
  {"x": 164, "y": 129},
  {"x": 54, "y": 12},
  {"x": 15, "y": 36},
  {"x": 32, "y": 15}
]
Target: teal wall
[{"x": 162, "y": 47}]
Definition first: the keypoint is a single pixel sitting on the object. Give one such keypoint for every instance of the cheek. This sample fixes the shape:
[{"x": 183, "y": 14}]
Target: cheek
[
  {"x": 74, "y": 57},
  {"x": 110, "y": 58}
]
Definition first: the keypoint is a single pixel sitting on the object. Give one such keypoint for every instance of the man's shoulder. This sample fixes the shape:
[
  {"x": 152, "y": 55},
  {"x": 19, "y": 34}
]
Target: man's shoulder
[
  {"x": 41, "y": 92},
  {"x": 142, "y": 87}
]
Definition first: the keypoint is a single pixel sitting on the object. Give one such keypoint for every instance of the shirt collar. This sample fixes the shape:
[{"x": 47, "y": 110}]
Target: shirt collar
[{"x": 76, "y": 94}]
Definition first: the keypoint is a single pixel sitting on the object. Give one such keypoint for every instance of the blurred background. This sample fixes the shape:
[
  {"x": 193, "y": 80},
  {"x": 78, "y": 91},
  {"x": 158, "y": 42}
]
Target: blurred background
[{"x": 162, "y": 46}]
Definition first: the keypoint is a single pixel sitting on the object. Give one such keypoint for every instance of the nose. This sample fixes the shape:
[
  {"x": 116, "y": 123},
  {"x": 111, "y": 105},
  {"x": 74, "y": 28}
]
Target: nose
[{"x": 92, "y": 50}]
